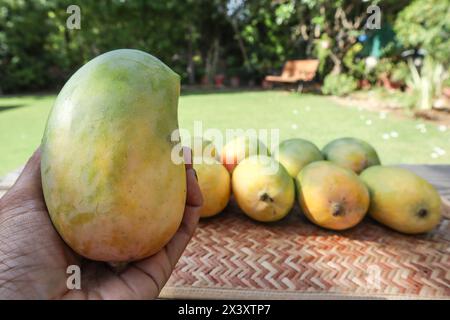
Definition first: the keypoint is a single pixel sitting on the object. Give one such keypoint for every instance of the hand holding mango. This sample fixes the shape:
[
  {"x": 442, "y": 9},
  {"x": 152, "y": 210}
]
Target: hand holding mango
[
  {"x": 111, "y": 188},
  {"x": 114, "y": 194}
]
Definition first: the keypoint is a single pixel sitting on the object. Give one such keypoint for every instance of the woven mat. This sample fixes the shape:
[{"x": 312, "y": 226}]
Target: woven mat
[{"x": 233, "y": 257}]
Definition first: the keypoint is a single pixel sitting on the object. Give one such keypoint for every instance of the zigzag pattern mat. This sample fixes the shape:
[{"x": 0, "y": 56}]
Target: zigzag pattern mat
[{"x": 234, "y": 257}]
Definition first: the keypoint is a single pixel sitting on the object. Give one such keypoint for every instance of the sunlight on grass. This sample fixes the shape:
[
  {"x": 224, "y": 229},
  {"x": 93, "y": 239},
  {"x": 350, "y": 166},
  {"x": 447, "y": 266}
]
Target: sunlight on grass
[{"x": 317, "y": 118}]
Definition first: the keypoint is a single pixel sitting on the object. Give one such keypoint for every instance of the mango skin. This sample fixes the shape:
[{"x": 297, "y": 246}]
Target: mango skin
[
  {"x": 352, "y": 153},
  {"x": 111, "y": 188},
  {"x": 240, "y": 148},
  {"x": 331, "y": 196},
  {"x": 203, "y": 148},
  {"x": 215, "y": 185},
  {"x": 295, "y": 154},
  {"x": 264, "y": 194},
  {"x": 397, "y": 198}
]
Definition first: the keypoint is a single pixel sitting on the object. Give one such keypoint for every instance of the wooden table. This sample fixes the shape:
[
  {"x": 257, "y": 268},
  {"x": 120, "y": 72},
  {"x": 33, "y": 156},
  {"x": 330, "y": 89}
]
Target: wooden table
[{"x": 233, "y": 257}]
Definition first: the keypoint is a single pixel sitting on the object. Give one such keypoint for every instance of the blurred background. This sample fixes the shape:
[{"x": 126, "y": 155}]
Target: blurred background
[{"x": 316, "y": 69}]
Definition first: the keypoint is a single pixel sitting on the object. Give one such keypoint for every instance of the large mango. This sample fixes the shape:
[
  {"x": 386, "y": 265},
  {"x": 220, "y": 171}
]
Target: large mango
[{"x": 110, "y": 185}]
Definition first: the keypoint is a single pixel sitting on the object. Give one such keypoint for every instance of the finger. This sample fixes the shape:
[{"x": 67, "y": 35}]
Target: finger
[
  {"x": 29, "y": 181},
  {"x": 178, "y": 243},
  {"x": 152, "y": 273},
  {"x": 187, "y": 155},
  {"x": 194, "y": 201},
  {"x": 194, "y": 194},
  {"x": 147, "y": 277}
]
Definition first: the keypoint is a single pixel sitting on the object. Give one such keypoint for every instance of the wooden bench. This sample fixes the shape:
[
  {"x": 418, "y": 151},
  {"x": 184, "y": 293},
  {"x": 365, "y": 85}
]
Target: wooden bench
[{"x": 296, "y": 71}]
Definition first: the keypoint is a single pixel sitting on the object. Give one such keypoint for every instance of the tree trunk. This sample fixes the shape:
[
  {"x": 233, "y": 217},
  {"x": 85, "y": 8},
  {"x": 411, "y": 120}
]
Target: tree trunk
[
  {"x": 190, "y": 58},
  {"x": 212, "y": 58},
  {"x": 207, "y": 76},
  {"x": 337, "y": 63},
  {"x": 215, "y": 58},
  {"x": 241, "y": 45}
]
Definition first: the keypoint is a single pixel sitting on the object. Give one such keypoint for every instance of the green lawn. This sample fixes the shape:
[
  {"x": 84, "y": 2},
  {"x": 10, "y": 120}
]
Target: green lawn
[{"x": 317, "y": 118}]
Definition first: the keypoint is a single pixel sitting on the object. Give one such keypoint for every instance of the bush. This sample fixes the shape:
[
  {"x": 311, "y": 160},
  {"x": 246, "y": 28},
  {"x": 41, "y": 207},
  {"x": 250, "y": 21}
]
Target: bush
[
  {"x": 425, "y": 24},
  {"x": 339, "y": 84},
  {"x": 428, "y": 83},
  {"x": 400, "y": 72}
]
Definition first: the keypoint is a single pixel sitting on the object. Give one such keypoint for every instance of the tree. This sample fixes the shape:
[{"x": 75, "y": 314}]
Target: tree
[
  {"x": 197, "y": 38},
  {"x": 336, "y": 25},
  {"x": 426, "y": 24},
  {"x": 38, "y": 51}
]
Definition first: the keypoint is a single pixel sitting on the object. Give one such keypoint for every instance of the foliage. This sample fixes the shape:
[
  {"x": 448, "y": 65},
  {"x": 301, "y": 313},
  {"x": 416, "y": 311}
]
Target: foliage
[
  {"x": 355, "y": 65},
  {"x": 23, "y": 30},
  {"x": 422, "y": 24},
  {"x": 426, "y": 24},
  {"x": 38, "y": 51},
  {"x": 266, "y": 29},
  {"x": 200, "y": 38},
  {"x": 400, "y": 72},
  {"x": 339, "y": 84},
  {"x": 427, "y": 84},
  {"x": 322, "y": 50},
  {"x": 446, "y": 83},
  {"x": 278, "y": 30}
]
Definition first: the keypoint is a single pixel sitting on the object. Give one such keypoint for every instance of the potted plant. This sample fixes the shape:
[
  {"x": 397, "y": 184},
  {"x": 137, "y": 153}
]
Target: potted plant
[
  {"x": 218, "y": 80},
  {"x": 234, "y": 76}
]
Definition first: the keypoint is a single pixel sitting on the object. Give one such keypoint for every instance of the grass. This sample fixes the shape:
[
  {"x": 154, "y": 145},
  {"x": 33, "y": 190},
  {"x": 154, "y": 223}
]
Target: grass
[
  {"x": 22, "y": 122},
  {"x": 313, "y": 117}
]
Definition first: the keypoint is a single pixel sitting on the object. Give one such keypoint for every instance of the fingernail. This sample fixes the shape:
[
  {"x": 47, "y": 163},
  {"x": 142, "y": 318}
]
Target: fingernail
[{"x": 187, "y": 156}]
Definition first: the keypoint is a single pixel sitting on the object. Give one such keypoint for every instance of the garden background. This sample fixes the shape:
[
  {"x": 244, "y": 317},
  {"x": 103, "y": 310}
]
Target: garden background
[{"x": 389, "y": 86}]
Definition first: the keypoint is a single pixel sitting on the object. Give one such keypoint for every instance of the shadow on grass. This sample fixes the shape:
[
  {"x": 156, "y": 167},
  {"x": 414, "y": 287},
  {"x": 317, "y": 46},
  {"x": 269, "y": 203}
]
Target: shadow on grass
[
  {"x": 187, "y": 91},
  {"x": 30, "y": 95},
  {"x": 5, "y": 108}
]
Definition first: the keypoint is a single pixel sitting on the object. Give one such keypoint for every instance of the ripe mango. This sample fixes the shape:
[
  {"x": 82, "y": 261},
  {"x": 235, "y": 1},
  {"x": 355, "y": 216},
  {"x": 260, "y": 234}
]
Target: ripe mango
[
  {"x": 402, "y": 200},
  {"x": 203, "y": 148},
  {"x": 331, "y": 196},
  {"x": 111, "y": 188},
  {"x": 240, "y": 148},
  {"x": 295, "y": 154},
  {"x": 352, "y": 153},
  {"x": 215, "y": 184},
  {"x": 263, "y": 188}
]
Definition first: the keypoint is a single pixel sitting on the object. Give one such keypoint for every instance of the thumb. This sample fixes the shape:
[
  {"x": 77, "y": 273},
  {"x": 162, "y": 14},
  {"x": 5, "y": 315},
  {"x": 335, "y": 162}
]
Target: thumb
[{"x": 29, "y": 182}]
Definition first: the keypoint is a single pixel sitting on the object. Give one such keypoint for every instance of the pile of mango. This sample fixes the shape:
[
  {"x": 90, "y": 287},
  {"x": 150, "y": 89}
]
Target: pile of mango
[
  {"x": 335, "y": 187},
  {"x": 114, "y": 192}
]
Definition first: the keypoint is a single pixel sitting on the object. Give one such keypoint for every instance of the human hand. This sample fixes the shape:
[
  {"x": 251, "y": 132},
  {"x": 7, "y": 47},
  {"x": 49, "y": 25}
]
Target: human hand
[{"x": 34, "y": 258}]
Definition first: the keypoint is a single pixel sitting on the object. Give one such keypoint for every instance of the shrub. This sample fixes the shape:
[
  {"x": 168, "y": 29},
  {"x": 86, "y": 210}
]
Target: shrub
[
  {"x": 427, "y": 84},
  {"x": 400, "y": 72},
  {"x": 425, "y": 24},
  {"x": 339, "y": 84}
]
